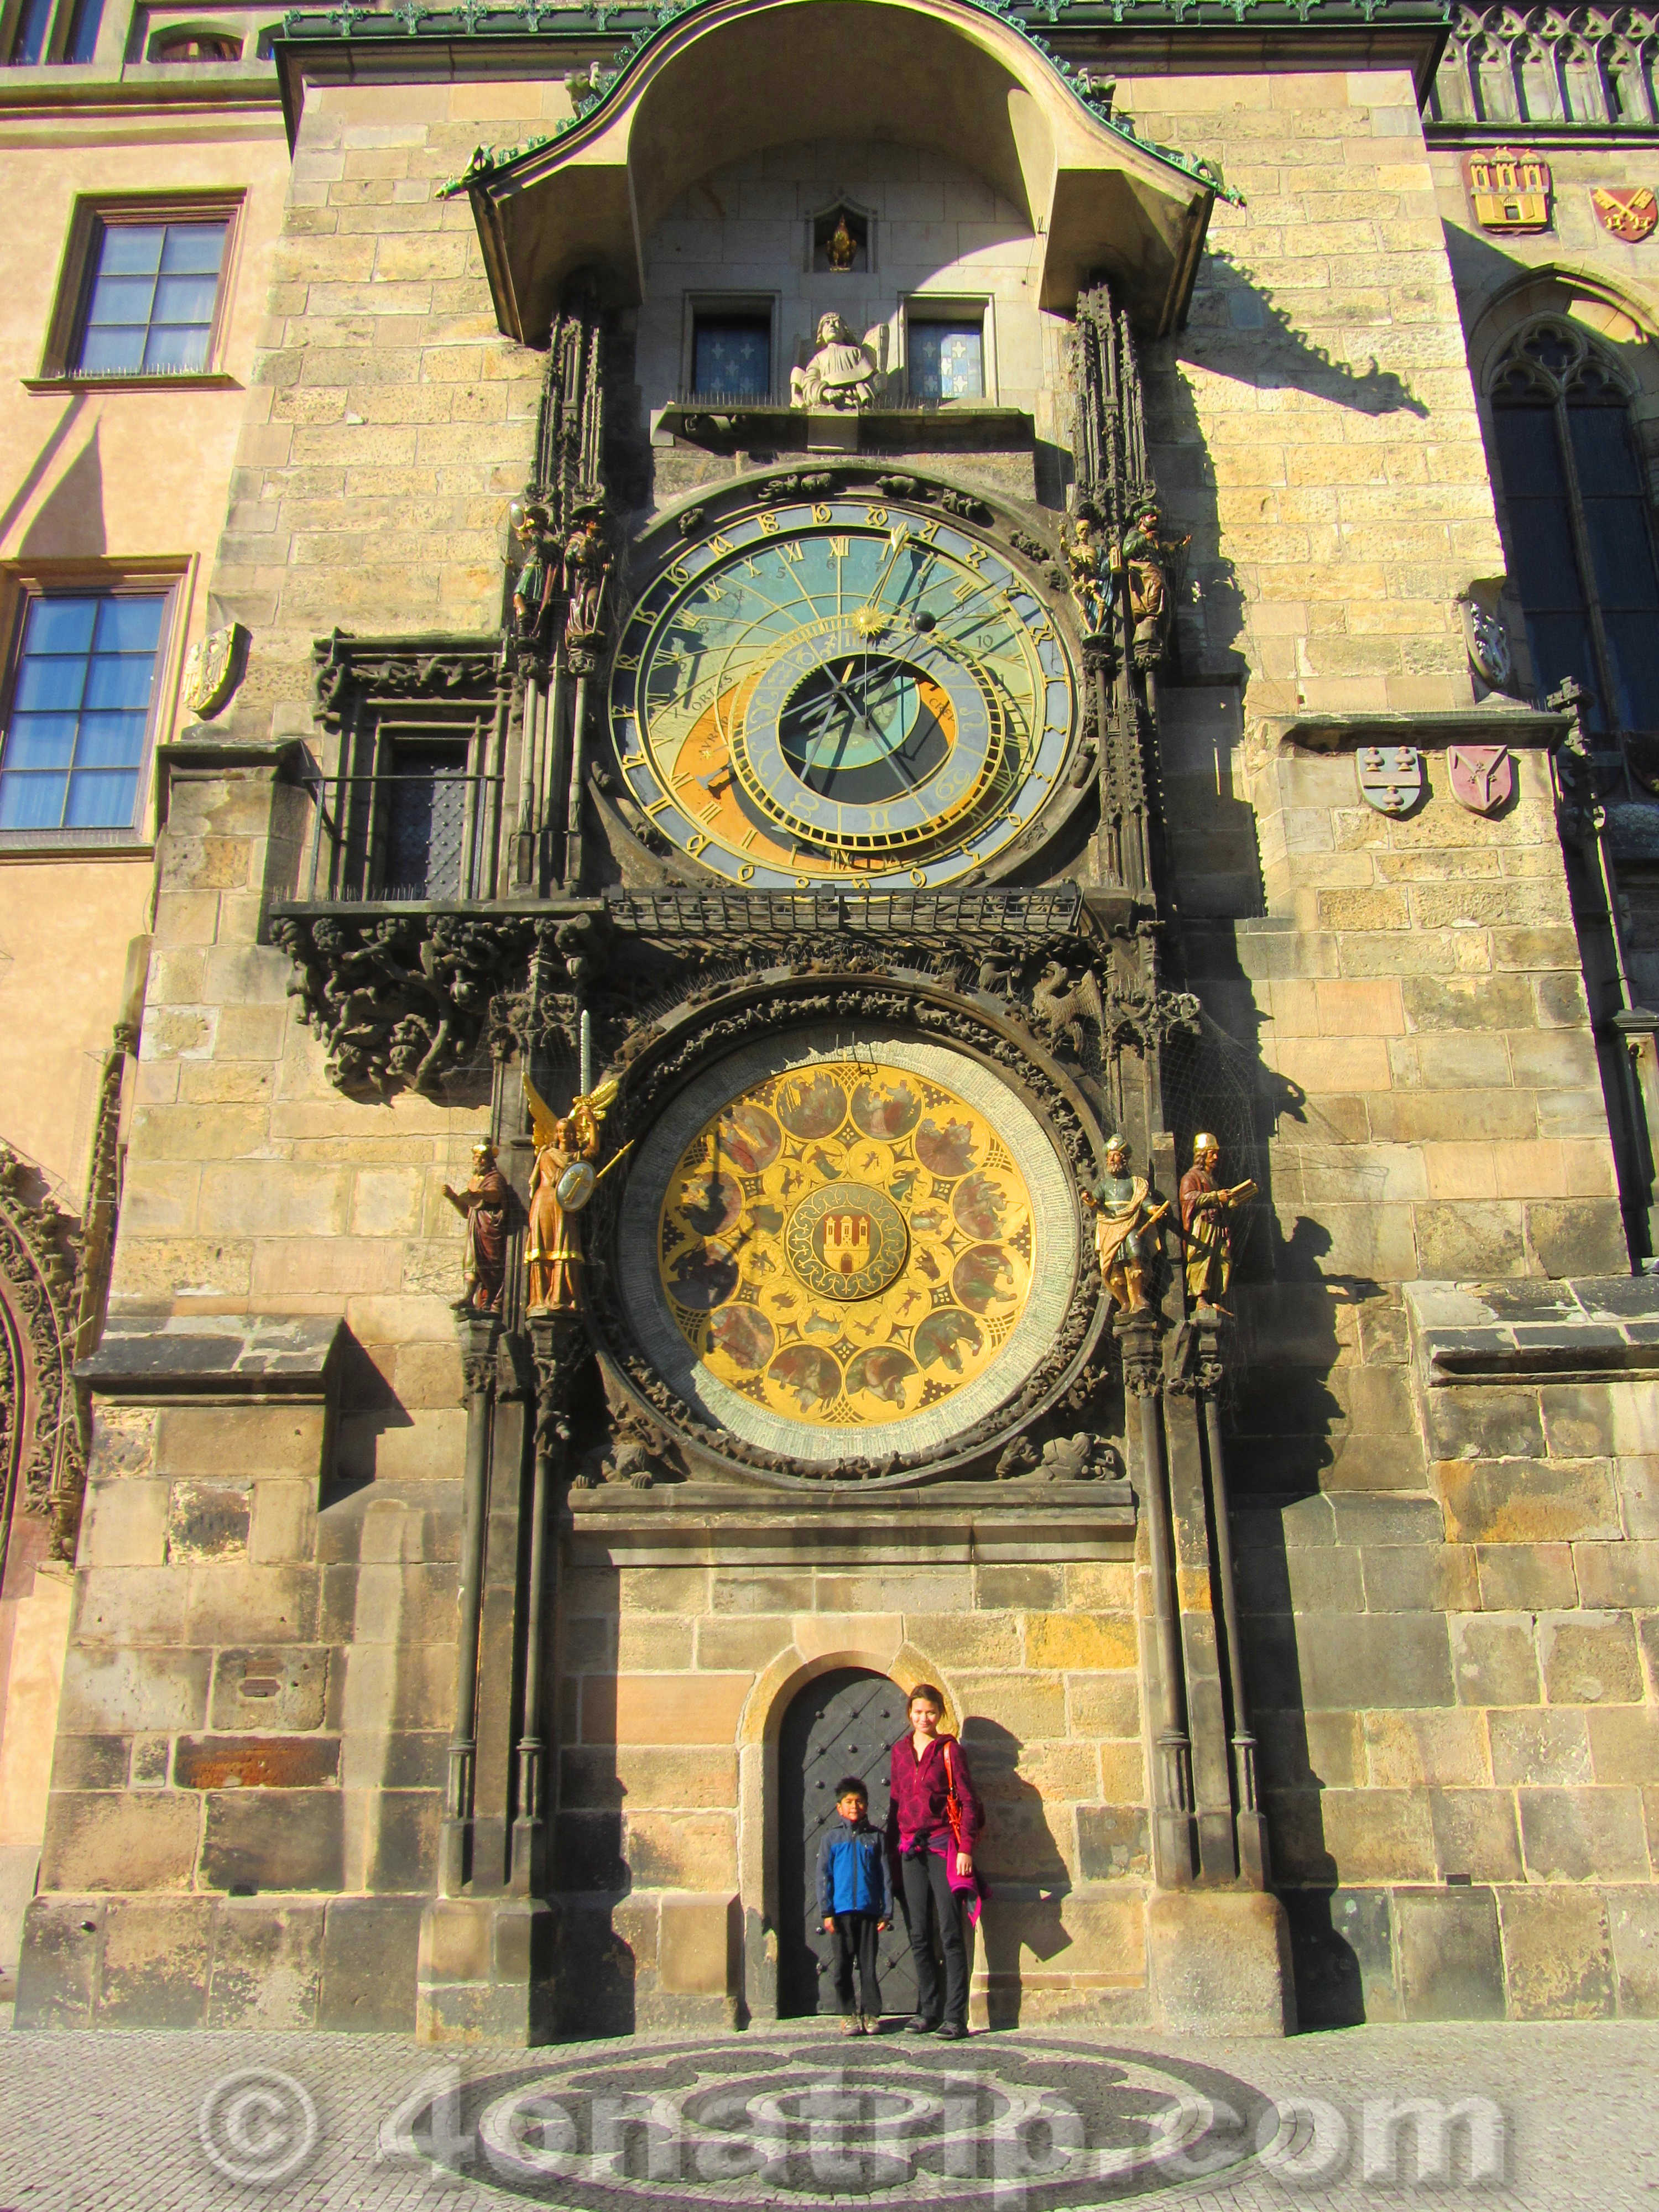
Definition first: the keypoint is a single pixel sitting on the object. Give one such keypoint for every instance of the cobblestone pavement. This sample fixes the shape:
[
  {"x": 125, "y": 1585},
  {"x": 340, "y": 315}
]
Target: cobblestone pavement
[{"x": 1025, "y": 2121}]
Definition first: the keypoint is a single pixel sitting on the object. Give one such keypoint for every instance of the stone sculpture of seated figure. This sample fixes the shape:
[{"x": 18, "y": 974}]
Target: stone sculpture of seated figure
[{"x": 841, "y": 374}]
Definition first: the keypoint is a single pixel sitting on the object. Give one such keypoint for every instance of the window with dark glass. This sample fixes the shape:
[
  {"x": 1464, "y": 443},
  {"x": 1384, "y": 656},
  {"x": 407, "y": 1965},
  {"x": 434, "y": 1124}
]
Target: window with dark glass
[
  {"x": 152, "y": 298},
  {"x": 84, "y": 25},
  {"x": 82, "y": 690},
  {"x": 732, "y": 356},
  {"x": 947, "y": 360},
  {"x": 1580, "y": 540},
  {"x": 28, "y": 48}
]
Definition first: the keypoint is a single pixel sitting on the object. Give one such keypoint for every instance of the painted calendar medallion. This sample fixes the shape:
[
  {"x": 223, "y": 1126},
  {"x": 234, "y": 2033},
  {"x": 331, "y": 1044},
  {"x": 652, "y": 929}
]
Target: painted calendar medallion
[{"x": 879, "y": 1276}]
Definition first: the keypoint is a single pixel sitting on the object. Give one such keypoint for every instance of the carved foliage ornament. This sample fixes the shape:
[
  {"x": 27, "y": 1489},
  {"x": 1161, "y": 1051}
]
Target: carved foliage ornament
[{"x": 39, "y": 1422}]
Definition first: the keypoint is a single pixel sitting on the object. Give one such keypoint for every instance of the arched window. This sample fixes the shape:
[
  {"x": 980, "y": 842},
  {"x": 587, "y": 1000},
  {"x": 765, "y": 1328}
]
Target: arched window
[
  {"x": 1576, "y": 506},
  {"x": 197, "y": 47}
]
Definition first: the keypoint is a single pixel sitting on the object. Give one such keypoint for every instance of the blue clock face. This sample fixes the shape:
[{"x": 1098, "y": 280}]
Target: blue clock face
[{"x": 840, "y": 690}]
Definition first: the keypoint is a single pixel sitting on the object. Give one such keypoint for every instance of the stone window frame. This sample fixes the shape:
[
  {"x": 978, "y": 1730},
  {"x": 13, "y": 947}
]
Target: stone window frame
[
  {"x": 92, "y": 214},
  {"x": 953, "y": 308},
  {"x": 705, "y": 302},
  {"x": 20, "y": 583},
  {"x": 1506, "y": 339}
]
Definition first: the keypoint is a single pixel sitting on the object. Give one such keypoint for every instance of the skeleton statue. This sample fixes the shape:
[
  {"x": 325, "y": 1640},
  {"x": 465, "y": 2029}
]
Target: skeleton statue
[
  {"x": 561, "y": 1184},
  {"x": 841, "y": 375},
  {"x": 587, "y": 572},
  {"x": 484, "y": 1205},
  {"x": 1126, "y": 1221},
  {"x": 1209, "y": 1233}
]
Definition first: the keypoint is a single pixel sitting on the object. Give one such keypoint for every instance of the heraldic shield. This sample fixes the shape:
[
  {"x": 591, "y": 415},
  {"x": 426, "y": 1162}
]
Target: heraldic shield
[
  {"x": 1391, "y": 777},
  {"x": 1482, "y": 776}
]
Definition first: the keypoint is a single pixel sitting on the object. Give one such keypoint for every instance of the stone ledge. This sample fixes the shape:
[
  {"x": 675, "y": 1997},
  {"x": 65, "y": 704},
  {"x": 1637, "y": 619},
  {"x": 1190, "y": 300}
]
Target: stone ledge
[
  {"x": 145, "y": 1357},
  {"x": 956, "y": 1524},
  {"x": 1511, "y": 724},
  {"x": 1592, "y": 1328}
]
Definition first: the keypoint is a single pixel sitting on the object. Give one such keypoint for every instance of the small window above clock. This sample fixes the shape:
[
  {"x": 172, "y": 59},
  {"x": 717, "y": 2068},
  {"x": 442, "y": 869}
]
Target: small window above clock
[{"x": 946, "y": 352}]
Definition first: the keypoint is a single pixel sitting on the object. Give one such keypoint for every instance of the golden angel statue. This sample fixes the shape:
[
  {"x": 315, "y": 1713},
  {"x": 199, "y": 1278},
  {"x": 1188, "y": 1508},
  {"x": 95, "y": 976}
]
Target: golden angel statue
[{"x": 561, "y": 1184}]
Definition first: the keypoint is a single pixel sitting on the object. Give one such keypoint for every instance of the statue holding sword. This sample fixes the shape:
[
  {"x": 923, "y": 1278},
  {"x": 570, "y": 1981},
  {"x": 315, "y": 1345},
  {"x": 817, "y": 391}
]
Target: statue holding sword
[
  {"x": 562, "y": 1182},
  {"x": 1126, "y": 1244}
]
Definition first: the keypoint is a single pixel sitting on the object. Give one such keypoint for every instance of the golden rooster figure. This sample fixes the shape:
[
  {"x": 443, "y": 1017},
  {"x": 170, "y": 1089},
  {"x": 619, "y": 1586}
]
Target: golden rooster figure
[{"x": 561, "y": 1184}]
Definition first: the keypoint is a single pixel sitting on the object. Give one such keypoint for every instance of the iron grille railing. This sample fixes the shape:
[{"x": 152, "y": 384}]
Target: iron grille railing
[
  {"x": 424, "y": 835},
  {"x": 975, "y": 915}
]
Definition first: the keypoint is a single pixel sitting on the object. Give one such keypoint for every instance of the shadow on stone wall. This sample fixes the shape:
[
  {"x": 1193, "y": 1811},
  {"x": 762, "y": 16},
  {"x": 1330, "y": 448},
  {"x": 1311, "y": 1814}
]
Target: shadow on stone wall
[{"x": 1023, "y": 1868}]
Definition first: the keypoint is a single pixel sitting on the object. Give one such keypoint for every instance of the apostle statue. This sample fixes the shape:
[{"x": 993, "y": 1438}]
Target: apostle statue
[
  {"x": 1204, "y": 1208},
  {"x": 484, "y": 1204},
  {"x": 532, "y": 587},
  {"x": 841, "y": 374},
  {"x": 561, "y": 1184},
  {"x": 1126, "y": 1221}
]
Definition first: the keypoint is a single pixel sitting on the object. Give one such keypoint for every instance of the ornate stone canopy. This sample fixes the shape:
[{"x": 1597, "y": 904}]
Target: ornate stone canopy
[{"x": 947, "y": 76}]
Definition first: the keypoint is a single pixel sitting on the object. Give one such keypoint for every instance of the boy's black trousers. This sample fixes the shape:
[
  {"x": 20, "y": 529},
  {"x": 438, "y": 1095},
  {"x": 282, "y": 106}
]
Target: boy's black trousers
[{"x": 855, "y": 1943}]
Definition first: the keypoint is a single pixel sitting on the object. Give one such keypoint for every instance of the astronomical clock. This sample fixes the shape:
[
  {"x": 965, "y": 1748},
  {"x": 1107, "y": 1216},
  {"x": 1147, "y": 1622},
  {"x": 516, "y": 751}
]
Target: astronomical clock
[{"x": 842, "y": 690}]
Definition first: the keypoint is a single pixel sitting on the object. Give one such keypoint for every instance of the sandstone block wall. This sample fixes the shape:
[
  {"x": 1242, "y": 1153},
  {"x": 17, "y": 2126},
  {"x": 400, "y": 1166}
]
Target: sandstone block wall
[{"x": 675, "y": 1682}]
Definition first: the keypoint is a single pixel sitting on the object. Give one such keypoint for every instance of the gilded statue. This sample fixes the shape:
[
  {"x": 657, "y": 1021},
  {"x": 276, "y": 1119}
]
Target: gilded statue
[
  {"x": 561, "y": 1184},
  {"x": 840, "y": 375},
  {"x": 841, "y": 249},
  {"x": 484, "y": 1205},
  {"x": 1205, "y": 1208},
  {"x": 1126, "y": 1221},
  {"x": 532, "y": 587}
]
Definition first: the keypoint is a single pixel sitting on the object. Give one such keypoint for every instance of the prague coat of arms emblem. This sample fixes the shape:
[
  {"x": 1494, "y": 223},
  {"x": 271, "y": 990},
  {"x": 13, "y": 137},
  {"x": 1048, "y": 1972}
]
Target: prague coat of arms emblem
[
  {"x": 1391, "y": 777},
  {"x": 1629, "y": 211},
  {"x": 1509, "y": 189}
]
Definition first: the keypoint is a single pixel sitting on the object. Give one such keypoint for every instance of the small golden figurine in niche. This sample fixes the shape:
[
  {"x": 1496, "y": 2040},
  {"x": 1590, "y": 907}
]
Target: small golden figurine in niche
[{"x": 841, "y": 249}]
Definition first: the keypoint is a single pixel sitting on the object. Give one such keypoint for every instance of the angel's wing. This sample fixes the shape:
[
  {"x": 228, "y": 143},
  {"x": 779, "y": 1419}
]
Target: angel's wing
[
  {"x": 877, "y": 341},
  {"x": 600, "y": 1099},
  {"x": 541, "y": 1116}
]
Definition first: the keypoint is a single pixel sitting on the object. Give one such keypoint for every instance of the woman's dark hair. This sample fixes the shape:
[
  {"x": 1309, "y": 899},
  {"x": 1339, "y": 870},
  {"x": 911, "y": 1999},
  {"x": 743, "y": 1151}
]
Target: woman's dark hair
[
  {"x": 934, "y": 1697},
  {"x": 850, "y": 1786}
]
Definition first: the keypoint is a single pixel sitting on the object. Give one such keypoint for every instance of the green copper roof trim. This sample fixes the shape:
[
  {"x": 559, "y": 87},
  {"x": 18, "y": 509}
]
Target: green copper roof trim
[{"x": 490, "y": 160}]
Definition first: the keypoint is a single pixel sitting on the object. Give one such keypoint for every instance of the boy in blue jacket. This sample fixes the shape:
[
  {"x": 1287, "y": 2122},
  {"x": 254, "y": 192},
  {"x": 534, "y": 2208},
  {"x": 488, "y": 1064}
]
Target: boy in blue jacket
[{"x": 855, "y": 1896}]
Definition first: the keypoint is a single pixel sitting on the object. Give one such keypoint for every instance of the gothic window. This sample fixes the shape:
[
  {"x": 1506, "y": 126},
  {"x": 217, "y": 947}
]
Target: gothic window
[
  {"x": 78, "y": 724},
  {"x": 1580, "y": 538}
]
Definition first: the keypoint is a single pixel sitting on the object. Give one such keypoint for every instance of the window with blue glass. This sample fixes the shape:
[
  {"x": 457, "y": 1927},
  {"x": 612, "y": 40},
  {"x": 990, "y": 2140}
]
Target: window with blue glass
[
  {"x": 947, "y": 360},
  {"x": 732, "y": 356},
  {"x": 74, "y": 740},
  {"x": 152, "y": 299},
  {"x": 34, "y": 33}
]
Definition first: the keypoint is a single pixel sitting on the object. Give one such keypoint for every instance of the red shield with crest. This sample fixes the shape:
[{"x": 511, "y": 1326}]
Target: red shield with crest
[
  {"x": 1629, "y": 211},
  {"x": 1482, "y": 776}
]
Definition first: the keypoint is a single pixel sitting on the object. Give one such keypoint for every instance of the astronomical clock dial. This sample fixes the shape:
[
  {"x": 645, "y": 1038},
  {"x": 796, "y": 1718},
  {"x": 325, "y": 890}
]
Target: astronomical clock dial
[
  {"x": 851, "y": 1251},
  {"x": 844, "y": 691}
]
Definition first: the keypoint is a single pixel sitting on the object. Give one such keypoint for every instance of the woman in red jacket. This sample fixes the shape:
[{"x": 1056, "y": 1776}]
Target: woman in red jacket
[{"x": 933, "y": 1818}]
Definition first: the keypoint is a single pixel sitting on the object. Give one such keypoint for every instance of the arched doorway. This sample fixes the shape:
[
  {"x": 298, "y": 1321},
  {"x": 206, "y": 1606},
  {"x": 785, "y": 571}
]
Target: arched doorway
[{"x": 844, "y": 1722}]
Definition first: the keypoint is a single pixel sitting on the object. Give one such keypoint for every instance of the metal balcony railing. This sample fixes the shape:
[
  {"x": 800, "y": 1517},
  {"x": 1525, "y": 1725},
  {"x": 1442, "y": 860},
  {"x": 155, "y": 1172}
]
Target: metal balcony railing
[{"x": 421, "y": 835}]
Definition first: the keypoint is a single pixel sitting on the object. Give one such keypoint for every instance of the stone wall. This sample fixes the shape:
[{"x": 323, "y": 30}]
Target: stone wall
[{"x": 675, "y": 1684}]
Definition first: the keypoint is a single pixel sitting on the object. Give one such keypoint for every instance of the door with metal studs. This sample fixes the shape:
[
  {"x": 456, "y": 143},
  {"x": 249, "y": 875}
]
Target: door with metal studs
[{"x": 843, "y": 1723}]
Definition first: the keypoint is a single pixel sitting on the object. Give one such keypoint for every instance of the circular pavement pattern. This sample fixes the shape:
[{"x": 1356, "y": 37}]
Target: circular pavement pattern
[{"x": 1038, "y": 2126}]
